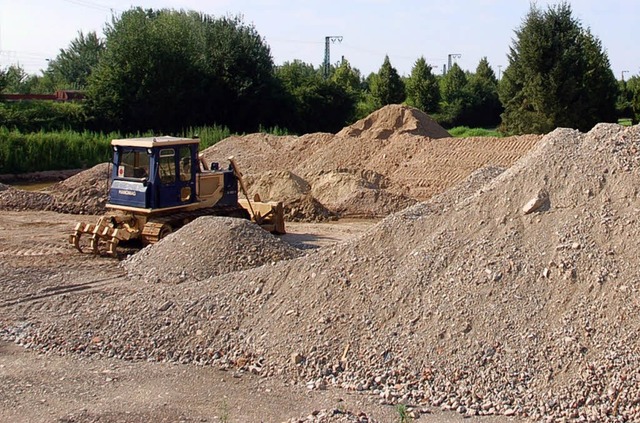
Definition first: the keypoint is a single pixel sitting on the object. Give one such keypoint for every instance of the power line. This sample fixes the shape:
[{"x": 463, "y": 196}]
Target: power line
[{"x": 92, "y": 5}]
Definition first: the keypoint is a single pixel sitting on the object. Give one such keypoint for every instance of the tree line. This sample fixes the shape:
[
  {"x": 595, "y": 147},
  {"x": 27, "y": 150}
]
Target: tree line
[{"x": 166, "y": 70}]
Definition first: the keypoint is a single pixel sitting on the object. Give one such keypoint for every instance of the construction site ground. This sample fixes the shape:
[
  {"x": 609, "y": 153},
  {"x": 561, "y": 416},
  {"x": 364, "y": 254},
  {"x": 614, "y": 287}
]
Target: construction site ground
[
  {"x": 496, "y": 278},
  {"x": 38, "y": 264}
]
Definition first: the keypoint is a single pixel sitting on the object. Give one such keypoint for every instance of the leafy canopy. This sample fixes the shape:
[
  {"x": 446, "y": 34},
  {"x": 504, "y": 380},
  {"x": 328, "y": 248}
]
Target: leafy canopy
[
  {"x": 166, "y": 70},
  {"x": 387, "y": 86}
]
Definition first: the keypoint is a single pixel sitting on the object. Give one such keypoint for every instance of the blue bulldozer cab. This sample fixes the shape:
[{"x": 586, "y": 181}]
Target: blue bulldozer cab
[{"x": 159, "y": 173}]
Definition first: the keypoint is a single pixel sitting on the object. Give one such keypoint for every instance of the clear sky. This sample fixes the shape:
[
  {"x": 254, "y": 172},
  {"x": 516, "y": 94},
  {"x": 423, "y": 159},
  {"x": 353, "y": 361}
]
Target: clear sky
[{"x": 32, "y": 31}]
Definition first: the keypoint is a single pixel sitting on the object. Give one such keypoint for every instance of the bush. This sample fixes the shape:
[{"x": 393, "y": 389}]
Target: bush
[{"x": 32, "y": 116}]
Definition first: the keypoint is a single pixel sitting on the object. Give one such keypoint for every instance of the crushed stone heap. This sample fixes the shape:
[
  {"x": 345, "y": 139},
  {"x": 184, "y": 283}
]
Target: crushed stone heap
[
  {"x": 208, "y": 246},
  {"x": 83, "y": 193},
  {"x": 469, "y": 301}
]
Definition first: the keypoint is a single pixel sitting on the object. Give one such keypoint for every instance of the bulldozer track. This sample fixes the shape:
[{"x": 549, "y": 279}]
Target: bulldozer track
[
  {"x": 42, "y": 250},
  {"x": 55, "y": 291}
]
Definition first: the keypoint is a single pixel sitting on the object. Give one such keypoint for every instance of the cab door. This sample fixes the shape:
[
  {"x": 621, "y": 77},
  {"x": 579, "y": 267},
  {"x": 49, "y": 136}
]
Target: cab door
[{"x": 176, "y": 176}]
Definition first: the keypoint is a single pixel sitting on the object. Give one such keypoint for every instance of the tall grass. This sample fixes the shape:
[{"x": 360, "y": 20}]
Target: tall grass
[
  {"x": 465, "y": 131},
  {"x": 59, "y": 150},
  {"x": 209, "y": 135}
]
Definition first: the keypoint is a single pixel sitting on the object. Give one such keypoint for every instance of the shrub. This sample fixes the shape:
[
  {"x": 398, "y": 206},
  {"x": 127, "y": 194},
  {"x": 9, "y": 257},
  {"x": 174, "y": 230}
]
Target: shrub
[{"x": 32, "y": 116}]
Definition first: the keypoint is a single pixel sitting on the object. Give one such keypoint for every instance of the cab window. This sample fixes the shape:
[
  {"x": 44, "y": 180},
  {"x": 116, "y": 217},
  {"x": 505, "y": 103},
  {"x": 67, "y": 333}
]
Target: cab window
[
  {"x": 134, "y": 164},
  {"x": 167, "y": 166},
  {"x": 185, "y": 164}
]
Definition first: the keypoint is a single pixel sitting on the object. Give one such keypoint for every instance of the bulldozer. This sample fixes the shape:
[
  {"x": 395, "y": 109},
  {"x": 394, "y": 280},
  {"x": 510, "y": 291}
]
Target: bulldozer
[{"x": 158, "y": 184}]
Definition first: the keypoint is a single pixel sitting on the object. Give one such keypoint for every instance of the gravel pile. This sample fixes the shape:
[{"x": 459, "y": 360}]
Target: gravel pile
[
  {"x": 333, "y": 416},
  {"x": 209, "y": 246},
  {"x": 83, "y": 193},
  {"x": 513, "y": 294},
  {"x": 19, "y": 200}
]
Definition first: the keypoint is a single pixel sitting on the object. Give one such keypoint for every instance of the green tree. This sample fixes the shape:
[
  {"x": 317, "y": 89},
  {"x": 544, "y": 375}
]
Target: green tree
[
  {"x": 312, "y": 103},
  {"x": 17, "y": 81},
  {"x": 73, "y": 65},
  {"x": 624, "y": 106},
  {"x": 3, "y": 80},
  {"x": 558, "y": 75},
  {"x": 240, "y": 65},
  {"x": 633, "y": 88},
  {"x": 348, "y": 78},
  {"x": 166, "y": 70},
  {"x": 423, "y": 91},
  {"x": 455, "y": 97},
  {"x": 484, "y": 108},
  {"x": 387, "y": 86}
]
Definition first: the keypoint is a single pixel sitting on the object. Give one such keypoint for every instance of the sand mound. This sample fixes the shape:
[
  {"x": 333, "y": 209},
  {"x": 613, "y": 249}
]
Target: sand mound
[
  {"x": 307, "y": 209},
  {"x": 371, "y": 203},
  {"x": 403, "y": 146},
  {"x": 282, "y": 186},
  {"x": 332, "y": 187},
  {"x": 395, "y": 119},
  {"x": 208, "y": 246}
]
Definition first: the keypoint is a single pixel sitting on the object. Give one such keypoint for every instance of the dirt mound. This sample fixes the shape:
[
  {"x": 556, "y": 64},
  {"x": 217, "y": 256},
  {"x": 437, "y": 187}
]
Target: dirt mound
[
  {"x": 371, "y": 203},
  {"x": 85, "y": 192},
  {"x": 282, "y": 186},
  {"x": 332, "y": 187},
  {"x": 411, "y": 155},
  {"x": 395, "y": 119},
  {"x": 307, "y": 209},
  {"x": 208, "y": 246}
]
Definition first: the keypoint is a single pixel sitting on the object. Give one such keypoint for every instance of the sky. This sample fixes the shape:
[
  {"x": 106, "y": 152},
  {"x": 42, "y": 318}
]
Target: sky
[{"x": 33, "y": 31}]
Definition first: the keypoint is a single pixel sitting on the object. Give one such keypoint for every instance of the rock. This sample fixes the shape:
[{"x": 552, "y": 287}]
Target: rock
[
  {"x": 537, "y": 203},
  {"x": 297, "y": 358}
]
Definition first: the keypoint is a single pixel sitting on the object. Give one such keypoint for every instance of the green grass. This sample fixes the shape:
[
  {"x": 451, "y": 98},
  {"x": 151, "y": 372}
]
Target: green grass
[
  {"x": 403, "y": 414},
  {"x": 465, "y": 131},
  {"x": 625, "y": 122}
]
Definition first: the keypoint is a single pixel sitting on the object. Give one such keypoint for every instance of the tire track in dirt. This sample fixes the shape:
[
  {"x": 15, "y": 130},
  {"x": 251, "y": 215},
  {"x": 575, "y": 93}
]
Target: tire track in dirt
[
  {"x": 55, "y": 291},
  {"x": 42, "y": 250}
]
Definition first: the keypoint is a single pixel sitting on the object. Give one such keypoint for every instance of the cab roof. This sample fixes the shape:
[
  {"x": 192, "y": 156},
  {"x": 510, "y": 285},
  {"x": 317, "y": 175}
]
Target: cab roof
[{"x": 150, "y": 142}]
